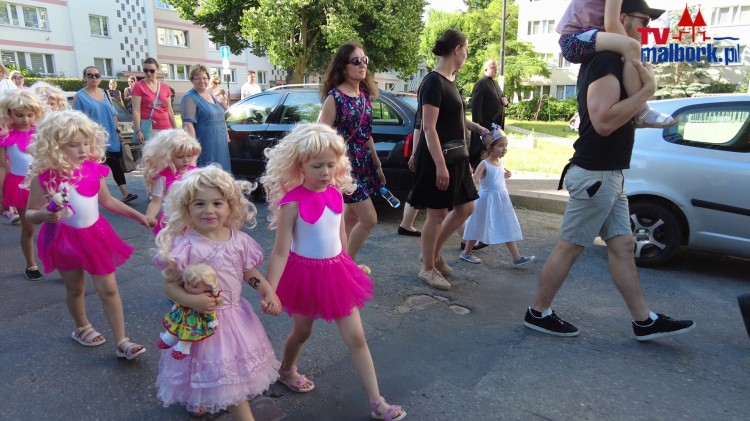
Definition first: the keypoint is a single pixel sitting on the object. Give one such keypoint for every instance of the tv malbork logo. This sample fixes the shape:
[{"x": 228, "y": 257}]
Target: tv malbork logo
[{"x": 665, "y": 51}]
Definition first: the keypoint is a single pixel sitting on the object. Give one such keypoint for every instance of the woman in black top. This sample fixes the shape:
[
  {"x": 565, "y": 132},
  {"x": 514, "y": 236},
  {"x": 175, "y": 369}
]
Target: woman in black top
[{"x": 440, "y": 186}]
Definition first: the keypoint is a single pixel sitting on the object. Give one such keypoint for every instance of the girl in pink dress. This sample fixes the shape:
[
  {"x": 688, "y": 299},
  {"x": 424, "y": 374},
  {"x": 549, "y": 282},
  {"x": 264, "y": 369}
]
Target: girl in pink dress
[
  {"x": 204, "y": 213},
  {"x": 19, "y": 111},
  {"x": 313, "y": 276},
  {"x": 166, "y": 158},
  {"x": 67, "y": 151}
]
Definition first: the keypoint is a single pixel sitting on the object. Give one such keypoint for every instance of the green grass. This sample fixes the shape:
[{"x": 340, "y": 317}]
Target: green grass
[
  {"x": 555, "y": 128},
  {"x": 546, "y": 157}
]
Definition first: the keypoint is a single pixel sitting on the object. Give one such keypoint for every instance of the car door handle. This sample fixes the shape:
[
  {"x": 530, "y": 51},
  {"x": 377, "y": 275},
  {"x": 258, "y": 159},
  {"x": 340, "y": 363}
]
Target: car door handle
[{"x": 254, "y": 137}]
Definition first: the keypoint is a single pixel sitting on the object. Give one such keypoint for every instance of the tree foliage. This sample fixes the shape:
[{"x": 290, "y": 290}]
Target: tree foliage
[
  {"x": 301, "y": 35},
  {"x": 484, "y": 28},
  {"x": 221, "y": 18}
]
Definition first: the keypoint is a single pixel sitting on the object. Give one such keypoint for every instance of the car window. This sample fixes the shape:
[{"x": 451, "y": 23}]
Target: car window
[
  {"x": 719, "y": 126},
  {"x": 253, "y": 111},
  {"x": 300, "y": 108},
  {"x": 384, "y": 114}
]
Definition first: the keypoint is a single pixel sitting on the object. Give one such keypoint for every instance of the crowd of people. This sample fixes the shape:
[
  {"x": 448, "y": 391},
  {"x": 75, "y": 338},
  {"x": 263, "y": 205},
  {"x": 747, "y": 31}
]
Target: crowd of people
[{"x": 319, "y": 183}]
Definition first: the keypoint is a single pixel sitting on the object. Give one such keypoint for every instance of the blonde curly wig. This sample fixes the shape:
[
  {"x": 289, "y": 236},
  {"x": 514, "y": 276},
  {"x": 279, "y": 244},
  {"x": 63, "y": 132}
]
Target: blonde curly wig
[
  {"x": 18, "y": 100},
  {"x": 284, "y": 166},
  {"x": 177, "y": 216},
  {"x": 50, "y": 93},
  {"x": 201, "y": 272},
  {"x": 159, "y": 153},
  {"x": 57, "y": 129}
]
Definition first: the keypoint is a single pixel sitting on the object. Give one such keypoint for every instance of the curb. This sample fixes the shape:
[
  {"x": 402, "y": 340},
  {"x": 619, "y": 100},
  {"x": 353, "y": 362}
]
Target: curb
[{"x": 541, "y": 202}]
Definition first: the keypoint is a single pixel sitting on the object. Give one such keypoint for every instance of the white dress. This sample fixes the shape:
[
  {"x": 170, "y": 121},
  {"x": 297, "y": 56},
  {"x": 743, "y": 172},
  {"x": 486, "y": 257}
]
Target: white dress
[{"x": 494, "y": 221}]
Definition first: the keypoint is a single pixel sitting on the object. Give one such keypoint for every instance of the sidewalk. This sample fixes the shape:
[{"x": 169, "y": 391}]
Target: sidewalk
[{"x": 537, "y": 191}]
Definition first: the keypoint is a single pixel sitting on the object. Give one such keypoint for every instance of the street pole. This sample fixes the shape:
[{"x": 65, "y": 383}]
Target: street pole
[{"x": 502, "y": 50}]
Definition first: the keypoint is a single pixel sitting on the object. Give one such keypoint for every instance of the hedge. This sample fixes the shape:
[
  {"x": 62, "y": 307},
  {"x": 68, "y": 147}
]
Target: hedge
[
  {"x": 73, "y": 85},
  {"x": 552, "y": 109}
]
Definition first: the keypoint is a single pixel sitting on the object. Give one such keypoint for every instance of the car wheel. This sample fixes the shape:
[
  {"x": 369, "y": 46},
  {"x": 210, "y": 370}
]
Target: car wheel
[{"x": 656, "y": 233}]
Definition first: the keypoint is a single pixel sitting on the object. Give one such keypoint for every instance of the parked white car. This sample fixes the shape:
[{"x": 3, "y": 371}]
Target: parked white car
[{"x": 689, "y": 185}]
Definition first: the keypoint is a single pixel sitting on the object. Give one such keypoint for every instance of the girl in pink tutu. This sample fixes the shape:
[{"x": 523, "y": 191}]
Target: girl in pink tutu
[
  {"x": 19, "y": 111},
  {"x": 203, "y": 215},
  {"x": 67, "y": 151},
  {"x": 166, "y": 158},
  {"x": 306, "y": 174}
]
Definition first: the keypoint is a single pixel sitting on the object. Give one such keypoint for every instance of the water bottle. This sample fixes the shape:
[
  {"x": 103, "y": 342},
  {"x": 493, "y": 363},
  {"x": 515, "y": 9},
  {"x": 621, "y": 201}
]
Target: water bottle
[{"x": 387, "y": 195}]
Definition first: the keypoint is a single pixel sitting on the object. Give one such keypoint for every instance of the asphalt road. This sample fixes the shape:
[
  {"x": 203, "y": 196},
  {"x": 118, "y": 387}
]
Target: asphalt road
[{"x": 460, "y": 354}]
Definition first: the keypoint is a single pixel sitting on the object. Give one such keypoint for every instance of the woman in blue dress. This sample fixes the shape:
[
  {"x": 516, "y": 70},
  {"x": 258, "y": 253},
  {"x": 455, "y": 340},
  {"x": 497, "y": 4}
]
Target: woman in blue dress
[
  {"x": 96, "y": 103},
  {"x": 203, "y": 118}
]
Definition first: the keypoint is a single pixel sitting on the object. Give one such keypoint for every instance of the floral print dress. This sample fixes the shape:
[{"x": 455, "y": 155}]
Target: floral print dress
[{"x": 354, "y": 123}]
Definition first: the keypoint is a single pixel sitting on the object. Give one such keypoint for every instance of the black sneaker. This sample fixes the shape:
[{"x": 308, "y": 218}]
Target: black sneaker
[
  {"x": 661, "y": 327},
  {"x": 33, "y": 274},
  {"x": 550, "y": 324}
]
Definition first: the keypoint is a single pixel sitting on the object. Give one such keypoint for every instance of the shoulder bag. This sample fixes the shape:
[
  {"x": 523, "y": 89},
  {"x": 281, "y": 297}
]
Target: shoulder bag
[
  {"x": 147, "y": 124},
  {"x": 456, "y": 150}
]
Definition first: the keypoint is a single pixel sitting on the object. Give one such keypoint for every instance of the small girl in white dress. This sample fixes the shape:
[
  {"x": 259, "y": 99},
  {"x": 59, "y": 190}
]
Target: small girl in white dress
[{"x": 494, "y": 221}]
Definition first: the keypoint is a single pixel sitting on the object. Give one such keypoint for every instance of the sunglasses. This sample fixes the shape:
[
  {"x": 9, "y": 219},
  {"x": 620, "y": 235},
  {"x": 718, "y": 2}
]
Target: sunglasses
[
  {"x": 149, "y": 70},
  {"x": 644, "y": 19},
  {"x": 17, "y": 77},
  {"x": 359, "y": 60},
  {"x": 93, "y": 75}
]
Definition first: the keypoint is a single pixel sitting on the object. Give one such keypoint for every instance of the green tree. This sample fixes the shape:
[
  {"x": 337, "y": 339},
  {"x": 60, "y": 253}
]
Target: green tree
[
  {"x": 221, "y": 18},
  {"x": 301, "y": 35},
  {"x": 484, "y": 28}
]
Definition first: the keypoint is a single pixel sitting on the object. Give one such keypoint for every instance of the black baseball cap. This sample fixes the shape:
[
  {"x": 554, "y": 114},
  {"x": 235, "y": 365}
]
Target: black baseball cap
[{"x": 630, "y": 6}]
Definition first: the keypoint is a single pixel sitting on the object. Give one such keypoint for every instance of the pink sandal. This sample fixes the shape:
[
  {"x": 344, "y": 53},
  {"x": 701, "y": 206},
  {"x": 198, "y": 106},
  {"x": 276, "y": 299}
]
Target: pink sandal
[
  {"x": 295, "y": 386},
  {"x": 388, "y": 416},
  {"x": 86, "y": 335},
  {"x": 126, "y": 349}
]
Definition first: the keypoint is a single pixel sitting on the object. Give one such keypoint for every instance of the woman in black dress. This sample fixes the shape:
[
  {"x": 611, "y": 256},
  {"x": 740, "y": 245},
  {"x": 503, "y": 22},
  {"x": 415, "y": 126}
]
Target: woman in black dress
[{"x": 440, "y": 186}]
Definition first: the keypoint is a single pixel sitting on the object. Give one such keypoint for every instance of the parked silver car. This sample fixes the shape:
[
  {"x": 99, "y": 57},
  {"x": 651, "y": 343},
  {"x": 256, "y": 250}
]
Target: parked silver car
[{"x": 689, "y": 185}]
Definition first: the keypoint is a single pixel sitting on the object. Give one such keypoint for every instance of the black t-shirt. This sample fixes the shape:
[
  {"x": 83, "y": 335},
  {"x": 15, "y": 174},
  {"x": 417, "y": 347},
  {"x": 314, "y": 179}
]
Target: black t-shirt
[
  {"x": 593, "y": 151},
  {"x": 442, "y": 93}
]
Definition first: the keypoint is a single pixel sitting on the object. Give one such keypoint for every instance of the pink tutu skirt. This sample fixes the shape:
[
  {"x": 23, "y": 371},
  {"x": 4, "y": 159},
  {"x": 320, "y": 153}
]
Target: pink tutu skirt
[
  {"x": 323, "y": 288},
  {"x": 96, "y": 249},
  {"x": 234, "y": 364},
  {"x": 13, "y": 194}
]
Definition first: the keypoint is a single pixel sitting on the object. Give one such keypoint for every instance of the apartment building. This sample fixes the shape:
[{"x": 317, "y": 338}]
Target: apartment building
[{"x": 537, "y": 20}]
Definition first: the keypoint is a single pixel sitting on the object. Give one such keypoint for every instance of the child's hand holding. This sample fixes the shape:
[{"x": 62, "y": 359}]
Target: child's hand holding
[
  {"x": 507, "y": 174},
  {"x": 203, "y": 303},
  {"x": 146, "y": 221},
  {"x": 151, "y": 221},
  {"x": 270, "y": 304},
  {"x": 48, "y": 216}
]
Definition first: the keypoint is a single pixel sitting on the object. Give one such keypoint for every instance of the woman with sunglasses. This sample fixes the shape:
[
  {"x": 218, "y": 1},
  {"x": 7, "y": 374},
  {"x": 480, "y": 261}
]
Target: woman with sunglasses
[
  {"x": 126, "y": 94},
  {"x": 346, "y": 92},
  {"x": 17, "y": 78},
  {"x": 97, "y": 104},
  {"x": 152, "y": 103},
  {"x": 219, "y": 93}
]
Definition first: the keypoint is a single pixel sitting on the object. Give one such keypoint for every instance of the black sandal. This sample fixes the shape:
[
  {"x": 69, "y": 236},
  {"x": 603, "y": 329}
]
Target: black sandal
[{"x": 129, "y": 198}]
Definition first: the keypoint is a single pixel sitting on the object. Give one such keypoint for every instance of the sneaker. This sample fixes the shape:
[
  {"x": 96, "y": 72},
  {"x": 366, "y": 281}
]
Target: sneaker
[
  {"x": 550, "y": 324},
  {"x": 442, "y": 266},
  {"x": 523, "y": 260},
  {"x": 33, "y": 274},
  {"x": 470, "y": 258},
  {"x": 15, "y": 220},
  {"x": 661, "y": 327},
  {"x": 434, "y": 279}
]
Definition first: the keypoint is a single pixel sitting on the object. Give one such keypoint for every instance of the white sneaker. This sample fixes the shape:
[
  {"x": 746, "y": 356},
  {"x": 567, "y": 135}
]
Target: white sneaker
[{"x": 470, "y": 258}]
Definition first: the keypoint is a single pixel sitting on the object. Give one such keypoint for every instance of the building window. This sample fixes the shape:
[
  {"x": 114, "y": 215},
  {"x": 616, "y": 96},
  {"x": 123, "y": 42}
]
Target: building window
[
  {"x": 40, "y": 63},
  {"x": 104, "y": 65},
  {"x": 566, "y": 91},
  {"x": 213, "y": 46},
  {"x": 176, "y": 71},
  {"x": 546, "y": 90},
  {"x": 23, "y": 16},
  {"x": 548, "y": 58},
  {"x": 562, "y": 63},
  {"x": 172, "y": 37},
  {"x": 99, "y": 26},
  {"x": 538, "y": 27},
  {"x": 262, "y": 77},
  {"x": 731, "y": 15},
  {"x": 163, "y": 5},
  {"x": 220, "y": 72}
]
